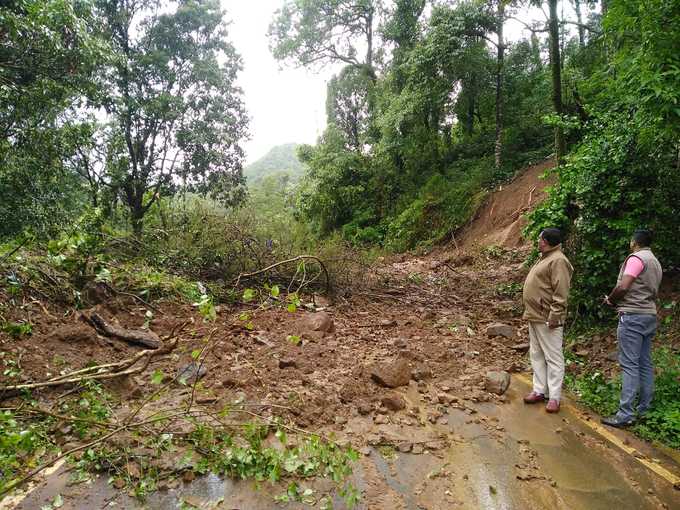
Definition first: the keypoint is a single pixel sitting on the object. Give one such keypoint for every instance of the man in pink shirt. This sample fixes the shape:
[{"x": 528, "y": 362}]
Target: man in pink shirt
[{"x": 635, "y": 300}]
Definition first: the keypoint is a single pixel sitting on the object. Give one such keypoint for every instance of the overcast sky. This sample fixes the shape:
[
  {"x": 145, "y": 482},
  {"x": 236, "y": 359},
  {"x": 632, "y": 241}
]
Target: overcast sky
[
  {"x": 285, "y": 105},
  {"x": 288, "y": 105}
]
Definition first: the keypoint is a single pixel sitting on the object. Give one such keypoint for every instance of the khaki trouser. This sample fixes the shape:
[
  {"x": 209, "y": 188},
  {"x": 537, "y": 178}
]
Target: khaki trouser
[{"x": 547, "y": 359}]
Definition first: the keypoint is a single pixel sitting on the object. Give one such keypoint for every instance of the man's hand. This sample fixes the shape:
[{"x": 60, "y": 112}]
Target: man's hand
[{"x": 606, "y": 301}]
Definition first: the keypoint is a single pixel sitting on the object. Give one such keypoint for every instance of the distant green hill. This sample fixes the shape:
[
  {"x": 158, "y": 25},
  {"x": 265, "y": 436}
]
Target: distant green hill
[{"x": 280, "y": 159}]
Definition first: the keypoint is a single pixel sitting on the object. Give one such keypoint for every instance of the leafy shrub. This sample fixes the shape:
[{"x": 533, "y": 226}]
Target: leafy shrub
[{"x": 443, "y": 205}]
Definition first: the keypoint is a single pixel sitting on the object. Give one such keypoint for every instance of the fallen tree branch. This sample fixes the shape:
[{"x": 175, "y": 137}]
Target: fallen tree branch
[
  {"x": 145, "y": 338},
  {"x": 288, "y": 261}
]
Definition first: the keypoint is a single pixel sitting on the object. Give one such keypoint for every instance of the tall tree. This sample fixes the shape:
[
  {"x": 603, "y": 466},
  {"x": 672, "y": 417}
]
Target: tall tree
[
  {"x": 48, "y": 56},
  {"x": 309, "y": 32},
  {"x": 500, "y": 63},
  {"x": 174, "y": 101},
  {"x": 556, "y": 73}
]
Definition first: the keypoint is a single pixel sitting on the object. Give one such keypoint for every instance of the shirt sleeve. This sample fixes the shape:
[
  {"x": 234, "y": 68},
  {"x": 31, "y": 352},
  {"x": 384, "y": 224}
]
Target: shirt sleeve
[
  {"x": 634, "y": 267},
  {"x": 560, "y": 279}
]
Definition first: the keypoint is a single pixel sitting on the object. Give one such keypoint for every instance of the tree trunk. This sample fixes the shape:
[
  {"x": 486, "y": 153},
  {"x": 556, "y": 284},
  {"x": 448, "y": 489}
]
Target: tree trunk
[
  {"x": 581, "y": 29},
  {"x": 555, "y": 66},
  {"x": 498, "y": 150}
]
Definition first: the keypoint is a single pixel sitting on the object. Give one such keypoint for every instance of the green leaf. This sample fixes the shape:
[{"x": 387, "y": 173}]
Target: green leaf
[
  {"x": 274, "y": 291},
  {"x": 292, "y": 308},
  {"x": 248, "y": 295},
  {"x": 157, "y": 376},
  {"x": 195, "y": 353},
  {"x": 58, "y": 501}
]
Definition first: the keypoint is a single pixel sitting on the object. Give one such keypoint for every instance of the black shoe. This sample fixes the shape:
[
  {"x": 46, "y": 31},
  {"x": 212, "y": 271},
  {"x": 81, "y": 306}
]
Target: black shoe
[{"x": 619, "y": 423}]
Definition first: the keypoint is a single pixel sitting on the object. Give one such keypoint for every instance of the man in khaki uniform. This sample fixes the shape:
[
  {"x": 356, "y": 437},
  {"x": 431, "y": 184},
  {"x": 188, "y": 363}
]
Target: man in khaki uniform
[{"x": 546, "y": 290}]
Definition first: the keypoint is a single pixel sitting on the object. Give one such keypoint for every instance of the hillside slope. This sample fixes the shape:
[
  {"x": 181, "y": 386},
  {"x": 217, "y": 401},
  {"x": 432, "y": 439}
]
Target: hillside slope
[
  {"x": 500, "y": 220},
  {"x": 281, "y": 158}
]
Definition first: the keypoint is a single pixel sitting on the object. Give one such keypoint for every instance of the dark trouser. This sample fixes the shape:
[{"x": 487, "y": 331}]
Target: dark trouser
[{"x": 635, "y": 334}]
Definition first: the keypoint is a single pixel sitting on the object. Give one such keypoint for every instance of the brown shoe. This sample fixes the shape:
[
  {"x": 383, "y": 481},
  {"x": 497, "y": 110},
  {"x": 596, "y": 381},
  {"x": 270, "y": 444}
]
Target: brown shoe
[
  {"x": 553, "y": 406},
  {"x": 534, "y": 398}
]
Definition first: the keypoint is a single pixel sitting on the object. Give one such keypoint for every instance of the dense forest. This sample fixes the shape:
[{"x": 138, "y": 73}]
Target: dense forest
[
  {"x": 431, "y": 106},
  {"x": 126, "y": 205}
]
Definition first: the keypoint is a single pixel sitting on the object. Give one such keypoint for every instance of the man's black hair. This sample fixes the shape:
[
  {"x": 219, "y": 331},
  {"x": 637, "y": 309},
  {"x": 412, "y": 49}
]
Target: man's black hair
[
  {"x": 553, "y": 236},
  {"x": 643, "y": 238}
]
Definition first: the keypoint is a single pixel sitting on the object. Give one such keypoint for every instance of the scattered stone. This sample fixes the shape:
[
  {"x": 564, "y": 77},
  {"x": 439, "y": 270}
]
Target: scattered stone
[
  {"x": 364, "y": 409},
  {"x": 405, "y": 447},
  {"x": 190, "y": 372},
  {"x": 366, "y": 451},
  {"x": 380, "y": 419},
  {"x": 445, "y": 398},
  {"x": 132, "y": 470},
  {"x": 231, "y": 381},
  {"x": 387, "y": 323},
  {"x": 497, "y": 382},
  {"x": 582, "y": 353},
  {"x": 436, "y": 445},
  {"x": 421, "y": 374},
  {"x": 188, "y": 476},
  {"x": 393, "y": 402},
  {"x": 340, "y": 420},
  {"x": 206, "y": 399},
  {"x": 319, "y": 321},
  {"x": 417, "y": 449},
  {"x": 287, "y": 363},
  {"x": 263, "y": 340},
  {"x": 613, "y": 356},
  {"x": 500, "y": 329},
  {"x": 392, "y": 375},
  {"x": 119, "y": 483},
  {"x": 558, "y": 430}
]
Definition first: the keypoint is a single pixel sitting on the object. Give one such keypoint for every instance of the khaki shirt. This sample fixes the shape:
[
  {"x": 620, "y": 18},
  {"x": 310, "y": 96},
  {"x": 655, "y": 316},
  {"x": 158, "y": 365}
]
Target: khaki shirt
[{"x": 546, "y": 288}]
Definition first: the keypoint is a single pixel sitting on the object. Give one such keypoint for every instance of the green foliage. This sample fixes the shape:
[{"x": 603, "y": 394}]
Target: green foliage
[
  {"x": 254, "y": 460},
  {"x": 407, "y": 154},
  {"x": 443, "y": 205},
  {"x": 179, "y": 114},
  {"x": 623, "y": 173},
  {"x": 662, "y": 421},
  {"x": 20, "y": 446},
  {"x": 49, "y": 55},
  {"x": 17, "y": 329}
]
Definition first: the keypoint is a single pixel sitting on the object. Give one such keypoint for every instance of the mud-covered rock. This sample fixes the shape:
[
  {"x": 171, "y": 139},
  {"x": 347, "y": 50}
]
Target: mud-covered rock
[
  {"x": 500, "y": 329},
  {"x": 497, "y": 382},
  {"x": 393, "y": 402},
  {"x": 392, "y": 375},
  {"x": 319, "y": 321},
  {"x": 287, "y": 363}
]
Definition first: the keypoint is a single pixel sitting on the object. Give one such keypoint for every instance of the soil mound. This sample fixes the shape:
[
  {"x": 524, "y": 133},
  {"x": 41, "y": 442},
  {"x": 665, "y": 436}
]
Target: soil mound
[{"x": 499, "y": 222}]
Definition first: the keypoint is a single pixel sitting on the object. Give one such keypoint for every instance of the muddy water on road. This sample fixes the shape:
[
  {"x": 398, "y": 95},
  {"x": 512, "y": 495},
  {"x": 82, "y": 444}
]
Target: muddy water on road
[{"x": 509, "y": 456}]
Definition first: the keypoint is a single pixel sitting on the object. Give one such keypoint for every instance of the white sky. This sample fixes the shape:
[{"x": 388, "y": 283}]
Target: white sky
[{"x": 288, "y": 105}]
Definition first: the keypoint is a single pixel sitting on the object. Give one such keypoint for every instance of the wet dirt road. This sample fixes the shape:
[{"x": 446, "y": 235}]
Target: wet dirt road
[{"x": 508, "y": 456}]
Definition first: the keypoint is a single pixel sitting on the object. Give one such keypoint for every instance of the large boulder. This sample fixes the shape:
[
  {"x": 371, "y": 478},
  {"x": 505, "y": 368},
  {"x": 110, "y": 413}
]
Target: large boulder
[
  {"x": 392, "y": 375},
  {"x": 500, "y": 329},
  {"x": 497, "y": 382}
]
